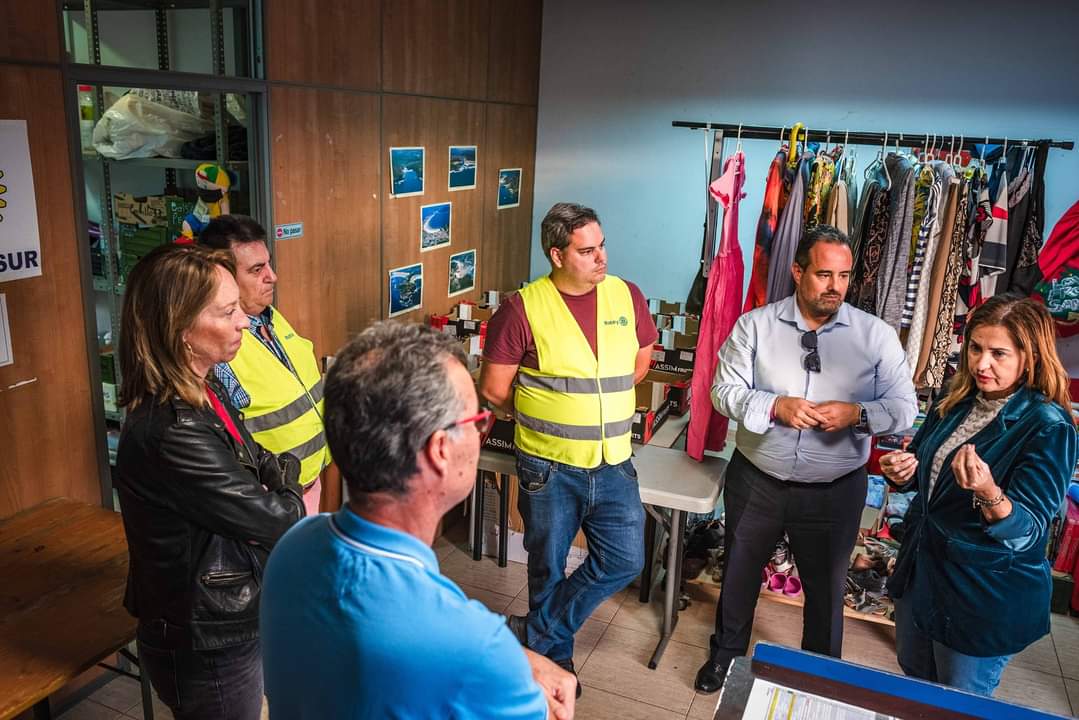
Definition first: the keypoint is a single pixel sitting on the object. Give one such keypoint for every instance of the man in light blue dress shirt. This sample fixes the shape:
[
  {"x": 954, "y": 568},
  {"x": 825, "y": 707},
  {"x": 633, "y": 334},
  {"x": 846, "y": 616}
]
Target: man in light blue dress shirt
[
  {"x": 356, "y": 598},
  {"x": 809, "y": 380}
]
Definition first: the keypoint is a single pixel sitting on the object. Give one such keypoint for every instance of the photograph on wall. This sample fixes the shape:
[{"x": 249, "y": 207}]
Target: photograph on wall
[
  {"x": 462, "y": 272},
  {"x": 406, "y": 171},
  {"x": 406, "y": 289},
  {"x": 509, "y": 188},
  {"x": 435, "y": 221},
  {"x": 462, "y": 167}
]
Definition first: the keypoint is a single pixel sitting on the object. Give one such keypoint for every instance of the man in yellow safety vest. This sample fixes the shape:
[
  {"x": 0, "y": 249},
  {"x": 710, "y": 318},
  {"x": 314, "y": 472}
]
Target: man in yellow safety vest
[
  {"x": 274, "y": 378},
  {"x": 562, "y": 357}
]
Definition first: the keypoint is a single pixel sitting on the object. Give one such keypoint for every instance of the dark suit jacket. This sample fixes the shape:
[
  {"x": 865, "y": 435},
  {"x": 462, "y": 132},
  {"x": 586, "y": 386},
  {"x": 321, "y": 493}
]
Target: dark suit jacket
[{"x": 983, "y": 589}]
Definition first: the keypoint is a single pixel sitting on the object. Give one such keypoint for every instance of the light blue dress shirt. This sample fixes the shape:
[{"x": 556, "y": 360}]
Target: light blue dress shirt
[
  {"x": 763, "y": 359},
  {"x": 357, "y": 622}
]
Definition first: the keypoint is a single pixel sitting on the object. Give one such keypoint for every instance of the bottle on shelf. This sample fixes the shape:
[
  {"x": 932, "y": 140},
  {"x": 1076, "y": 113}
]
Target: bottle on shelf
[{"x": 86, "y": 117}]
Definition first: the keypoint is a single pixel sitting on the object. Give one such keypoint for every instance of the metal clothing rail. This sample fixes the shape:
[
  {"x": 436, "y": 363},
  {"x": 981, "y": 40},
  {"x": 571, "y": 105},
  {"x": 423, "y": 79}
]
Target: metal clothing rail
[
  {"x": 836, "y": 135},
  {"x": 764, "y": 132}
]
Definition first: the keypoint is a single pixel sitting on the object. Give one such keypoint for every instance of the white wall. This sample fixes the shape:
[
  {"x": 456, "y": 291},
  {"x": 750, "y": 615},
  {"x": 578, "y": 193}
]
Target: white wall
[{"x": 614, "y": 74}]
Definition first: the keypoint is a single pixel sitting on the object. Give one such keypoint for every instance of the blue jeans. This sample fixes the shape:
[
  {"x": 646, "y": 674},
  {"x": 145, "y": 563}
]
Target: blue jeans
[
  {"x": 923, "y": 657},
  {"x": 224, "y": 684},
  {"x": 556, "y": 501}
]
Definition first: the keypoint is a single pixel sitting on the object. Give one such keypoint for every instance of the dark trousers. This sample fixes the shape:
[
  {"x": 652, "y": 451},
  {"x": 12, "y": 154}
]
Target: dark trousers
[
  {"x": 821, "y": 521},
  {"x": 224, "y": 684}
]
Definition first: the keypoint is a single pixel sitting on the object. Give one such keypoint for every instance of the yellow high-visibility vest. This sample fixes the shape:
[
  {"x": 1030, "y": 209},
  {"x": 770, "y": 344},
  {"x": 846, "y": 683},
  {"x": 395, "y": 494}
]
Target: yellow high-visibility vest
[
  {"x": 285, "y": 414},
  {"x": 578, "y": 409}
]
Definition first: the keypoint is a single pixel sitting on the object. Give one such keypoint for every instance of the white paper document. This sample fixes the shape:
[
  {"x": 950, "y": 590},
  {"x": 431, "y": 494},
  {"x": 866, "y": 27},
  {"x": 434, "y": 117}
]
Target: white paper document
[
  {"x": 5, "y": 334},
  {"x": 20, "y": 244},
  {"x": 768, "y": 701}
]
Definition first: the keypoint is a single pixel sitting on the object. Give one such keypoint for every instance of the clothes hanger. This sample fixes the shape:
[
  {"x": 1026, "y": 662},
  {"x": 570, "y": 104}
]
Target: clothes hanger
[
  {"x": 981, "y": 155},
  {"x": 792, "y": 152},
  {"x": 925, "y": 150},
  {"x": 738, "y": 146},
  {"x": 957, "y": 160}
]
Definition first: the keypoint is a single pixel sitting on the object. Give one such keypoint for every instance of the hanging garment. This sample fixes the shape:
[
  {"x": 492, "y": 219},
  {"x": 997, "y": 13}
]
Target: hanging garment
[
  {"x": 892, "y": 283},
  {"x": 1059, "y": 267},
  {"x": 864, "y": 293},
  {"x": 822, "y": 173},
  {"x": 944, "y": 179},
  {"x": 776, "y": 191},
  {"x": 933, "y": 293},
  {"x": 723, "y": 298},
  {"x": 993, "y": 260},
  {"x": 838, "y": 210},
  {"x": 925, "y": 210},
  {"x": 1022, "y": 272},
  {"x": 788, "y": 235},
  {"x": 940, "y": 351}
]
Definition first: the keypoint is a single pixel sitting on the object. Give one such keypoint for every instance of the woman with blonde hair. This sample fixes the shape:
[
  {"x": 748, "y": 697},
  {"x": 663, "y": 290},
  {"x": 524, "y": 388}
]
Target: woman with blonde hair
[
  {"x": 202, "y": 503},
  {"x": 991, "y": 465}
]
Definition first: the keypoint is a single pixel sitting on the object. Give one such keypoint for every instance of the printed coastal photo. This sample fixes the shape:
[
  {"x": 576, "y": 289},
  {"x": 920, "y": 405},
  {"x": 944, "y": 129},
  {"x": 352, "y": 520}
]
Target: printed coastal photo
[
  {"x": 462, "y": 272},
  {"x": 462, "y": 167},
  {"x": 406, "y": 289},
  {"x": 406, "y": 171},
  {"x": 435, "y": 221},
  {"x": 509, "y": 188}
]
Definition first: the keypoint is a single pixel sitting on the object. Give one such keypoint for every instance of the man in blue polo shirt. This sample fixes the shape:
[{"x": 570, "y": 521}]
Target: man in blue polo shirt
[{"x": 356, "y": 598}]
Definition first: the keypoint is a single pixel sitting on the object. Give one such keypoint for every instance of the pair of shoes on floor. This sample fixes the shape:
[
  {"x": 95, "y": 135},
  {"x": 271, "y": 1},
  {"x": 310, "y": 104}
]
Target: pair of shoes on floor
[
  {"x": 518, "y": 625},
  {"x": 780, "y": 582}
]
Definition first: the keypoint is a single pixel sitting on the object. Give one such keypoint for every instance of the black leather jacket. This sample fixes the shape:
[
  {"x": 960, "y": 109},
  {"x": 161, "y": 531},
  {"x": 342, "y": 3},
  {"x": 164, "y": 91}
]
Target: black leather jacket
[{"x": 201, "y": 513}]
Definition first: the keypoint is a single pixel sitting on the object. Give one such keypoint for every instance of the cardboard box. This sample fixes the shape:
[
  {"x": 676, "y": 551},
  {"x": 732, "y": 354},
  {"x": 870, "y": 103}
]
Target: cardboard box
[
  {"x": 501, "y": 438},
  {"x": 470, "y": 346},
  {"x": 679, "y": 395},
  {"x": 651, "y": 395},
  {"x": 150, "y": 210},
  {"x": 687, "y": 324},
  {"x": 674, "y": 340},
  {"x": 457, "y": 327},
  {"x": 645, "y": 424},
  {"x": 665, "y": 307},
  {"x": 472, "y": 311},
  {"x": 663, "y": 322},
  {"x": 673, "y": 361}
]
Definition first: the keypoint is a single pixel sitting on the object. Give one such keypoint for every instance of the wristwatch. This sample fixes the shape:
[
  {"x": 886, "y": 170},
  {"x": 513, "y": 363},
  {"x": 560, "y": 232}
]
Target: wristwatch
[{"x": 863, "y": 420}]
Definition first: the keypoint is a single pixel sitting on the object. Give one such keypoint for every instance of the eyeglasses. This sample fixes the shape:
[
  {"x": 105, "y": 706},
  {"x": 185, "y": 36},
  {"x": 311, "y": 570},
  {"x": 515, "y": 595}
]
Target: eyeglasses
[
  {"x": 485, "y": 421},
  {"x": 809, "y": 342}
]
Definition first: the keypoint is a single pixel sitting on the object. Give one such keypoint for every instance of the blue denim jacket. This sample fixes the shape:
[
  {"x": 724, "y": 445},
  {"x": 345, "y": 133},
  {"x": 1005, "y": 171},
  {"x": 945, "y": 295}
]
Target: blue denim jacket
[{"x": 983, "y": 589}]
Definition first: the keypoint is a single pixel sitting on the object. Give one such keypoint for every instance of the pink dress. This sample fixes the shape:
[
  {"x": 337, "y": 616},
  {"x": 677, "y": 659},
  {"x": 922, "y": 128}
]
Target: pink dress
[{"x": 722, "y": 305}]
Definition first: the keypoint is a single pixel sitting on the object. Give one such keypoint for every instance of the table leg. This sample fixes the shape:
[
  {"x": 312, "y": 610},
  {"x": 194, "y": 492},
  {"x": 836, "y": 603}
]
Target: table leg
[
  {"x": 503, "y": 519},
  {"x": 147, "y": 697},
  {"x": 477, "y": 518},
  {"x": 42, "y": 710},
  {"x": 649, "y": 557},
  {"x": 671, "y": 585}
]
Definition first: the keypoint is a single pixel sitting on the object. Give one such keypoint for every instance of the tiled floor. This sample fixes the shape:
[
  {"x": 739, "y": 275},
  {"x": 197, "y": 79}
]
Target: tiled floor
[{"x": 613, "y": 648}]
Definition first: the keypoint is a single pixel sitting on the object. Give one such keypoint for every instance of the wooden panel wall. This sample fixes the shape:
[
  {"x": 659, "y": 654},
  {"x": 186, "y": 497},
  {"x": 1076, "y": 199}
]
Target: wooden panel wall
[
  {"x": 47, "y": 438},
  {"x": 324, "y": 43},
  {"x": 28, "y": 31},
  {"x": 404, "y": 72},
  {"x": 324, "y": 153}
]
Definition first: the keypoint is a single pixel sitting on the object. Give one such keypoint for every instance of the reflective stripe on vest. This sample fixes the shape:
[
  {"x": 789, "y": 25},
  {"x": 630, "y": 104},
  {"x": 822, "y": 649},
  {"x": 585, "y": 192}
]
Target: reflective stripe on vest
[
  {"x": 285, "y": 414},
  {"x": 578, "y": 409}
]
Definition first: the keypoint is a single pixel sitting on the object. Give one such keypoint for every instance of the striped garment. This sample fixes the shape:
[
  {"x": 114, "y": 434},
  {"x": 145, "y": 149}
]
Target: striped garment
[
  {"x": 993, "y": 260},
  {"x": 927, "y": 196}
]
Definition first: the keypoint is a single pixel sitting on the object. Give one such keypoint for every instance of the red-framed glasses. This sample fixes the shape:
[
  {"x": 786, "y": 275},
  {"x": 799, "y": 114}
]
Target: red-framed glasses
[{"x": 484, "y": 419}]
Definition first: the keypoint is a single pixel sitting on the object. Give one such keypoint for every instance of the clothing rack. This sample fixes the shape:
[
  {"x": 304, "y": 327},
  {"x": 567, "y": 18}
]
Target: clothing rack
[{"x": 845, "y": 136}]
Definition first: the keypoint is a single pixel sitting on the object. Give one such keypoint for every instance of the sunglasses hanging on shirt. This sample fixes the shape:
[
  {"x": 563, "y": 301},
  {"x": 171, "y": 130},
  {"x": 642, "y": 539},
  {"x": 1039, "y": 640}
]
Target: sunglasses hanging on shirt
[{"x": 809, "y": 342}]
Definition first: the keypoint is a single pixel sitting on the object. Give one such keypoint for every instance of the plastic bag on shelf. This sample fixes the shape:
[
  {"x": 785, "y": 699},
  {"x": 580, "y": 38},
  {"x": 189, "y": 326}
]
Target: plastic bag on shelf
[{"x": 135, "y": 127}]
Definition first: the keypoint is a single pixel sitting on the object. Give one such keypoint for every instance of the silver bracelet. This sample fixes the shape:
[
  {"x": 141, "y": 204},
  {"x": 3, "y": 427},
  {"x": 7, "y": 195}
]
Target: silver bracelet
[{"x": 979, "y": 503}]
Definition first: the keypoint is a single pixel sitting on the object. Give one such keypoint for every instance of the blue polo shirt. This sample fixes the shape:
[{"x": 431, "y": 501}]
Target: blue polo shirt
[{"x": 357, "y": 622}]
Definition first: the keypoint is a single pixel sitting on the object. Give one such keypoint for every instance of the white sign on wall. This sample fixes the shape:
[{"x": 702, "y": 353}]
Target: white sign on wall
[{"x": 20, "y": 244}]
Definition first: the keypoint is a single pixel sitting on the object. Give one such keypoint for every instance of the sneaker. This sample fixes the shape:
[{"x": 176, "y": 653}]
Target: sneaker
[
  {"x": 781, "y": 557},
  {"x": 567, "y": 665}
]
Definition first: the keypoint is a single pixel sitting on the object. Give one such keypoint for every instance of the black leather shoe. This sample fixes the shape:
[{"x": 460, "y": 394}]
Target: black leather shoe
[
  {"x": 518, "y": 625},
  {"x": 710, "y": 677},
  {"x": 567, "y": 665}
]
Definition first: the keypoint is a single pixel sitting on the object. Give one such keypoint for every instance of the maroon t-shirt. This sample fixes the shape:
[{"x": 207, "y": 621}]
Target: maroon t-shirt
[{"x": 509, "y": 336}]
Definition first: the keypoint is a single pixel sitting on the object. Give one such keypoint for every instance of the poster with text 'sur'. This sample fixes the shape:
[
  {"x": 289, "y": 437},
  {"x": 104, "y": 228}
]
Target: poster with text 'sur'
[{"x": 20, "y": 244}]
